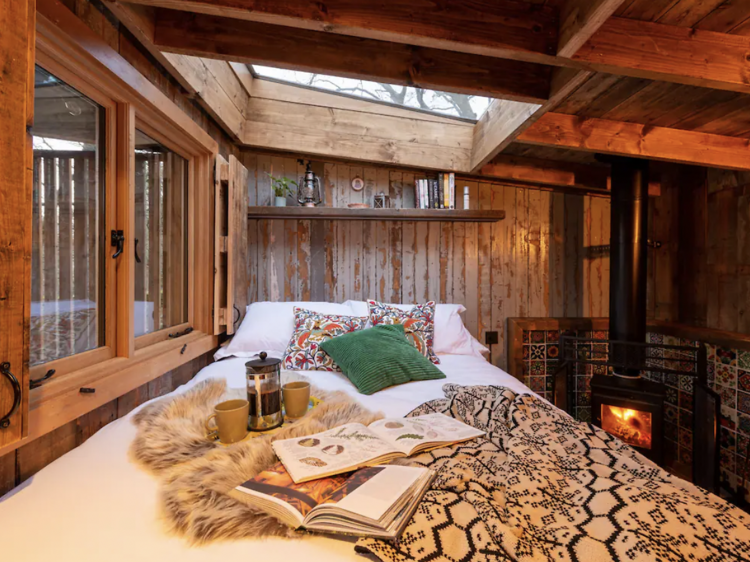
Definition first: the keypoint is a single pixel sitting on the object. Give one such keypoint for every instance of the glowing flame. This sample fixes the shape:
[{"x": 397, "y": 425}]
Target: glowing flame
[
  {"x": 623, "y": 414},
  {"x": 632, "y": 426}
]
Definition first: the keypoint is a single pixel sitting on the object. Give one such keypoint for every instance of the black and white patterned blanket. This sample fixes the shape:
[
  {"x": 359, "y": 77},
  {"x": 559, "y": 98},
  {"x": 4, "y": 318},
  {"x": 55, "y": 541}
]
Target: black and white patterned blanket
[{"x": 541, "y": 486}]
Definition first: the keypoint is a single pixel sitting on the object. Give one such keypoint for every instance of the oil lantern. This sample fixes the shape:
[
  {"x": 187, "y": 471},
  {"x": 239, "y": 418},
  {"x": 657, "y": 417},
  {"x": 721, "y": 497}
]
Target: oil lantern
[{"x": 308, "y": 194}]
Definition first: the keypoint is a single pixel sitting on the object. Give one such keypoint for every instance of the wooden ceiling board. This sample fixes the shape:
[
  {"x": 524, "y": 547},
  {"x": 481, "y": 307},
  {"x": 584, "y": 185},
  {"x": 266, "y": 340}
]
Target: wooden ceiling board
[
  {"x": 645, "y": 10},
  {"x": 730, "y": 17},
  {"x": 552, "y": 153},
  {"x": 601, "y": 94}
]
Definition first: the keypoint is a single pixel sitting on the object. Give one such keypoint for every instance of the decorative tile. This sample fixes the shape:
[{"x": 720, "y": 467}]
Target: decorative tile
[
  {"x": 583, "y": 384},
  {"x": 728, "y": 395},
  {"x": 686, "y": 439},
  {"x": 655, "y": 338},
  {"x": 686, "y": 419},
  {"x": 599, "y": 351},
  {"x": 537, "y": 336},
  {"x": 686, "y": 384},
  {"x": 711, "y": 352},
  {"x": 726, "y": 375},
  {"x": 599, "y": 369},
  {"x": 711, "y": 370},
  {"x": 728, "y": 418},
  {"x": 671, "y": 413},
  {"x": 537, "y": 369},
  {"x": 552, "y": 367},
  {"x": 549, "y": 384},
  {"x": 553, "y": 336},
  {"x": 686, "y": 456},
  {"x": 672, "y": 396},
  {"x": 600, "y": 335},
  {"x": 743, "y": 423},
  {"x": 584, "y": 399},
  {"x": 537, "y": 384},
  {"x": 743, "y": 443},
  {"x": 727, "y": 460},
  {"x": 537, "y": 352},
  {"x": 526, "y": 352},
  {"x": 743, "y": 380},
  {"x": 553, "y": 351},
  {"x": 686, "y": 401},
  {"x": 671, "y": 340},
  {"x": 672, "y": 380},
  {"x": 726, "y": 356},
  {"x": 743, "y": 360},
  {"x": 727, "y": 439},
  {"x": 526, "y": 336},
  {"x": 743, "y": 402},
  {"x": 583, "y": 414},
  {"x": 526, "y": 369},
  {"x": 671, "y": 431}
]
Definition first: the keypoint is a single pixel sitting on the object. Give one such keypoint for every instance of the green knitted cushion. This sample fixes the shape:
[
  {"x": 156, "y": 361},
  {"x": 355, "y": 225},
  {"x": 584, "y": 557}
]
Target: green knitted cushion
[{"x": 379, "y": 357}]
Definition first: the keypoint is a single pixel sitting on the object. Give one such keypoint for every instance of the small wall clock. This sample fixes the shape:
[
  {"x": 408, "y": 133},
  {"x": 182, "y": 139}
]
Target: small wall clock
[{"x": 358, "y": 184}]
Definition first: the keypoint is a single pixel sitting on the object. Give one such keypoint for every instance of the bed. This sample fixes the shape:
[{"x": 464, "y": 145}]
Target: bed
[{"x": 96, "y": 504}]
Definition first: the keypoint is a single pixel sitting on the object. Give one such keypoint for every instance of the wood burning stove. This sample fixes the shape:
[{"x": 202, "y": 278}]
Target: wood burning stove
[
  {"x": 623, "y": 402},
  {"x": 631, "y": 409}
]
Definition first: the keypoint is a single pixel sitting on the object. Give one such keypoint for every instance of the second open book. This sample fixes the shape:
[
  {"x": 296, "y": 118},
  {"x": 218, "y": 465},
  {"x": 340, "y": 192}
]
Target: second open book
[{"x": 354, "y": 445}]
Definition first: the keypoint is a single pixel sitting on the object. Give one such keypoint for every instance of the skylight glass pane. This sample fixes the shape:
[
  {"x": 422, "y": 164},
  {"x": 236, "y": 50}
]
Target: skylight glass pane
[{"x": 444, "y": 103}]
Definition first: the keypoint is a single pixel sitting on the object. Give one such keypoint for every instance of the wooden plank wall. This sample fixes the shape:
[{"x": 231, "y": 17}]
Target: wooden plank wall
[
  {"x": 547, "y": 258},
  {"x": 711, "y": 287},
  {"x": 23, "y": 463}
]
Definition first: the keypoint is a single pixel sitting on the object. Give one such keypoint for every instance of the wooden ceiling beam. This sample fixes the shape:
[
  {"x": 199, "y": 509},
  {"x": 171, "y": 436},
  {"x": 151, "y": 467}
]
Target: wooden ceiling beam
[
  {"x": 504, "y": 120},
  {"x": 579, "y": 20},
  {"x": 499, "y": 28},
  {"x": 669, "y": 53},
  {"x": 643, "y": 141},
  {"x": 298, "y": 49}
]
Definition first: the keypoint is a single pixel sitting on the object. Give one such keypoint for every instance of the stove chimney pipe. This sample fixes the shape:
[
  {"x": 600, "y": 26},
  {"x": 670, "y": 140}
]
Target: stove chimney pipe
[{"x": 628, "y": 252}]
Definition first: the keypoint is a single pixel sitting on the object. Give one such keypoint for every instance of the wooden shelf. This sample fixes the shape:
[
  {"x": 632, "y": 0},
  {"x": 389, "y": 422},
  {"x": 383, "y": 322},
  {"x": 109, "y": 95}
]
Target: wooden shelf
[{"x": 331, "y": 213}]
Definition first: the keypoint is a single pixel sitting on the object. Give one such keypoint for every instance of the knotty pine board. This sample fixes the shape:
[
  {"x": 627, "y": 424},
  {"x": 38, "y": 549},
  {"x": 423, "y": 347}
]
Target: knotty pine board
[{"x": 547, "y": 258}]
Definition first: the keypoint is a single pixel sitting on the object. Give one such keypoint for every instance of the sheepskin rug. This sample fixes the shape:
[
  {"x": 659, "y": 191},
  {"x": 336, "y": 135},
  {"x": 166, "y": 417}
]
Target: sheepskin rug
[{"x": 196, "y": 474}]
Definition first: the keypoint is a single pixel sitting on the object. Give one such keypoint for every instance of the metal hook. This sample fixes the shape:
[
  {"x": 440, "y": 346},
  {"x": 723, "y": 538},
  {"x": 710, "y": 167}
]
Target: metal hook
[{"x": 117, "y": 240}]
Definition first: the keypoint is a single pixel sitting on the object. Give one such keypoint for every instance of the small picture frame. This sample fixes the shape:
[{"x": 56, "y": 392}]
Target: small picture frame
[{"x": 358, "y": 184}]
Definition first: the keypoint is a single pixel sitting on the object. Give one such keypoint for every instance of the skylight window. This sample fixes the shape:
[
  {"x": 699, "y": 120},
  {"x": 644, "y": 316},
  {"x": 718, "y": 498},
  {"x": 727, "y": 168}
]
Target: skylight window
[{"x": 443, "y": 103}]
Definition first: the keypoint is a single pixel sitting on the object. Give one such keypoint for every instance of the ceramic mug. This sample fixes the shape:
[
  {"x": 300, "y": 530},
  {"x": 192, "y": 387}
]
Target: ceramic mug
[
  {"x": 231, "y": 421},
  {"x": 296, "y": 398}
]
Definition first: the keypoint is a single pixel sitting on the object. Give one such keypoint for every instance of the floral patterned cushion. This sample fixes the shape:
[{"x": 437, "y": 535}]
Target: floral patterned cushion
[
  {"x": 310, "y": 330},
  {"x": 419, "y": 323}
]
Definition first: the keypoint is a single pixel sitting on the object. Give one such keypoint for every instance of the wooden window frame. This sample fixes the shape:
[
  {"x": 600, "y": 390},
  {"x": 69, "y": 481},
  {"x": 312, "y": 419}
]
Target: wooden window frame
[
  {"x": 176, "y": 145},
  {"x": 107, "y": 350},
  {"x": 73, "y": 52}
]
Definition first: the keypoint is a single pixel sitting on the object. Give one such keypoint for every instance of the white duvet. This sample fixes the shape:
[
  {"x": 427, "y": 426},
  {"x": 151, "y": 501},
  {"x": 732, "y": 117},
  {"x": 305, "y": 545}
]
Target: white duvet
[{"x": 94, "y": 505}]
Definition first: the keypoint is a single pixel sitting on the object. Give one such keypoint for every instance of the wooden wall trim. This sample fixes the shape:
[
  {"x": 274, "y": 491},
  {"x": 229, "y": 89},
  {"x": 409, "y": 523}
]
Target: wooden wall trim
[
  {"x": 59, "y": 402},
  {"x": 723, "y": 338},
  {"x": 18, "y": 465}
]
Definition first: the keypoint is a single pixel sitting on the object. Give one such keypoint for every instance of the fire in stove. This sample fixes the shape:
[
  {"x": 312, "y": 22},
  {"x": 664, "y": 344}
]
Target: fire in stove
[{"x": 631, "y": 426}]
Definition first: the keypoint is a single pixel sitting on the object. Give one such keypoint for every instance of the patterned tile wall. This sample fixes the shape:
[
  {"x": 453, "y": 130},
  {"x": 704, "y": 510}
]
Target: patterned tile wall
[{"x": 728, "y": 375}]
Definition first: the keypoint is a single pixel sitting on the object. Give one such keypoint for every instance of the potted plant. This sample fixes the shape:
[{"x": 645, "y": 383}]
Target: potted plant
[{"x": 281, "y": 188}]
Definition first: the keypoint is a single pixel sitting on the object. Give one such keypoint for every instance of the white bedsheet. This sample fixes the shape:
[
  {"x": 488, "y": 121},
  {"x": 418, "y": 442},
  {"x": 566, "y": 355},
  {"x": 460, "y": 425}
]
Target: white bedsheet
[{"x": 94, "y": 505}]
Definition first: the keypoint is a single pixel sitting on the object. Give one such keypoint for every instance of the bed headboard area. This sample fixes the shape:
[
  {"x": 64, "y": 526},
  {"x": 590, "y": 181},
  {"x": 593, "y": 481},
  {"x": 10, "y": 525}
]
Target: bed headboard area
[{"x": 546, "y": 258}]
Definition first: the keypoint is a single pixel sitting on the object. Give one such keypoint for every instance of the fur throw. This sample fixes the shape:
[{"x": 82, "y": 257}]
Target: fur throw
[{"x": 196, "y": 473}]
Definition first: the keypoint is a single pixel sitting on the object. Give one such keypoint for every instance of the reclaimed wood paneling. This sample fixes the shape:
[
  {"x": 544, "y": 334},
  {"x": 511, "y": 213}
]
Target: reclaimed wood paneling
[
  {"x": 549, "y": 254},
  {"x": 18, "y": 466}
]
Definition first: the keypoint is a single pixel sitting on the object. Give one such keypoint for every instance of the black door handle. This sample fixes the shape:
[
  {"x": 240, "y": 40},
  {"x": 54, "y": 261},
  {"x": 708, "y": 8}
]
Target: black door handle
[
  {"x": 137, "y": 259},
  {"x": 117, "y": 240},
  {"x": 5, "y": 370}
]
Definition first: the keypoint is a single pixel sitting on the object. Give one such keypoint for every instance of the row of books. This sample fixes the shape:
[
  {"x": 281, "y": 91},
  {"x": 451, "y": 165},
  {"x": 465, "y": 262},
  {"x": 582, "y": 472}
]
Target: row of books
[{"x": 436, "y": 193}]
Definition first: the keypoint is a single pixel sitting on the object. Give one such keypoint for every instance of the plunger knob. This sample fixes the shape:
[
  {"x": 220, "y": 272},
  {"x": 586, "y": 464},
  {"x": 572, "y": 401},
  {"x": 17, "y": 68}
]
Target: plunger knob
[{"x": 263, "y": 355}]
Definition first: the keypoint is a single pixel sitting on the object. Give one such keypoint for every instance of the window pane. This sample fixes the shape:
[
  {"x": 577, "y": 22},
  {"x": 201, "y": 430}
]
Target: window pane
[
  {"x": 434, "y": 101},
  {"x": 161, "y": 231},
  {"x": 67, "y": 308}
]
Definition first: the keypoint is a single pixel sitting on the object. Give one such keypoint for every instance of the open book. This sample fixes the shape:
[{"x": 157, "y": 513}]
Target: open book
[
  {"x": 373, "y": 502},
  {"x": 354, "y": 445}
]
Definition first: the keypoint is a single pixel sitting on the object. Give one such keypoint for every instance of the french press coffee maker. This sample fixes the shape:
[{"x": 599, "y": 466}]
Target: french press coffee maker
[{"x": 264, "y": 392}]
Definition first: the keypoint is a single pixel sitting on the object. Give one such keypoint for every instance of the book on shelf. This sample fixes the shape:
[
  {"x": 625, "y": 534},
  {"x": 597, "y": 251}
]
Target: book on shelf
[
  {"x": 354, "y": 445},
  {"x": 441, "y": 191},
  {"x": 372, "y": 502},
  {"x": 435, "y": 194},
  {"x": 451, "y": 190}
]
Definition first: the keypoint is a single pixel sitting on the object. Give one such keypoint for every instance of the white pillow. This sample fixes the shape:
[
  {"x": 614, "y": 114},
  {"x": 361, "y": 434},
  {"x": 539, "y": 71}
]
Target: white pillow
[
  {"x": 268, "y": 326},
  {"x": 451, "y": 336}
]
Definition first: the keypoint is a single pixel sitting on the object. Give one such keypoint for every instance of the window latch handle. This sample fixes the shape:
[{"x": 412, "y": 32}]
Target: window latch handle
[
  {"x": 137, "y": 258},
  {"x": 117, "y": 241}
]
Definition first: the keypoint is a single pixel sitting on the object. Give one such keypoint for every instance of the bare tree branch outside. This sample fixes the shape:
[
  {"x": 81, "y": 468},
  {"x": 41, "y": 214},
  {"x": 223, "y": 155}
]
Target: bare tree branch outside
[{"x": 445, "y": 103}]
